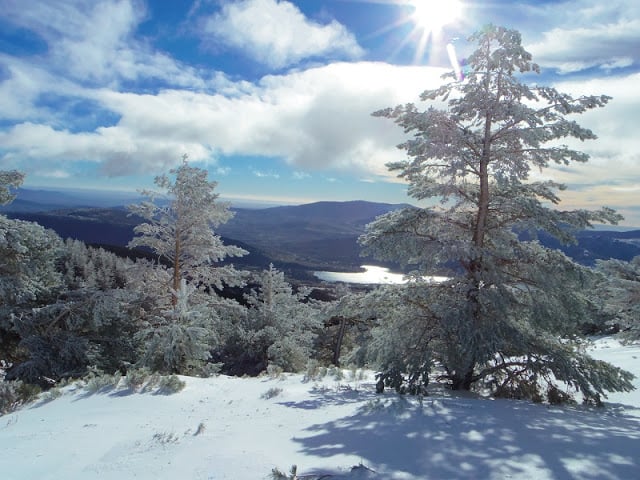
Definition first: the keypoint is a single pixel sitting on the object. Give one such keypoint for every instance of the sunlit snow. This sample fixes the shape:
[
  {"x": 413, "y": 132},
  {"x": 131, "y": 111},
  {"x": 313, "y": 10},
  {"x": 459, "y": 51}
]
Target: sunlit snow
[{"x": 241, "y": 428}]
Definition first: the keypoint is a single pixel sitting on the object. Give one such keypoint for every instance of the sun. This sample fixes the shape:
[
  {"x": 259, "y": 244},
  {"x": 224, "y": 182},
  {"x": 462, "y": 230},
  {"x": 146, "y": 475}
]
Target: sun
[{"x": 433, "y": 15}]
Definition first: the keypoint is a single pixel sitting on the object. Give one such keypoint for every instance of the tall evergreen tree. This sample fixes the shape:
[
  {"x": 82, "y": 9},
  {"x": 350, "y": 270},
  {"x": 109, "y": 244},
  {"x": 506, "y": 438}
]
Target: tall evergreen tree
[
  {"x": 179, "y": 337},
  {"x": 509, "y": 311},
  {"x": 181, "y": 231}
]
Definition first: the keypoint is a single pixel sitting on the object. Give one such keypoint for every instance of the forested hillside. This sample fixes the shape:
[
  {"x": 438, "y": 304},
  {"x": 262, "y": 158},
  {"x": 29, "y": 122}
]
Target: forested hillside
[{"x": 320, "y": 236}]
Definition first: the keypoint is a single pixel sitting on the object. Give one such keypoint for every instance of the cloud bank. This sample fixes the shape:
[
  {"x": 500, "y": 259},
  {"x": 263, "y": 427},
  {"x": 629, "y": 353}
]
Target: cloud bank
[{"x": 92, "y": 88}]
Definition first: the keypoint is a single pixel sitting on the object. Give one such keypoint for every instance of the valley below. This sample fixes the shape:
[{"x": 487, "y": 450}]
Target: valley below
[{"x": 298, "y": 240}]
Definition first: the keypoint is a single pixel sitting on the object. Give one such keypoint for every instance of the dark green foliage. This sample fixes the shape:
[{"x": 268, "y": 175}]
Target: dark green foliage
[
  {"x": 85, "y": 329},
  {"x": 67, "y": 313},
  {"x": 13, "y": 394}
]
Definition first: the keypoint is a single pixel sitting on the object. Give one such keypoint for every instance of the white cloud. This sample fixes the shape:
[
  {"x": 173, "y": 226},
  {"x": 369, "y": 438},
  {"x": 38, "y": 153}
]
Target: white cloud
[
  {"x": 572, "y": 50},
  {"x": 28, "y": 146},
  {"x": 94, "y": 42},
  {"x": 277, "y": 34},
  {"x": 261, "y": 174},
  {"x": 20, "y": 90},
  {"x": 315, "y": 119},
  {"x": 590, "y": 34},
  {"x": 300, "y": 175},
  {"x": 612, "y": 175},
  {"x": 55, "y": 174}
]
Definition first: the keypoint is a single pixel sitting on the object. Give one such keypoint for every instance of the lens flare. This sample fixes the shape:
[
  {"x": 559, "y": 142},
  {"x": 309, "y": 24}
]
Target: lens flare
[
  {"x": 453, "y": 58},
  {"x": 432, "y": 15}
]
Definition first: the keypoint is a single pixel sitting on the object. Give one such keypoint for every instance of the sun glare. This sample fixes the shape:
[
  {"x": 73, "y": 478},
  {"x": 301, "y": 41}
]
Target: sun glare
[{"x": 432, "y": 15}]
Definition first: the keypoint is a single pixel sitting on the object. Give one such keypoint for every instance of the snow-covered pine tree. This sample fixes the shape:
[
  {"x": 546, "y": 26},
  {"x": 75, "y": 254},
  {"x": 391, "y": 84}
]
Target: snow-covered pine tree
[
  {"x": 181, "y": 231},
  {"x": 28, "y": 254},
  {"x": 279, "y": 327},
  {"x": 9, "y": 179},
  {"x": 28, "y": 275},
  {"x": 84, "y": 266},
  {"x": 62, "y": 305},
  {"x": 508, "y": 313},
  {"x": 179, "y": 339},
  {"x": 344, "y": 326},
  {"x": 84, "y": 319},
  {"x": 620, "y": 291}
]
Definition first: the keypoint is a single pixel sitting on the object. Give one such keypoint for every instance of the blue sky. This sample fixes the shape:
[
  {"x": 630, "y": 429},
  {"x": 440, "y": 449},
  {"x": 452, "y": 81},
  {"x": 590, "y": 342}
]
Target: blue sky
[{"x": 274, "y": 97}]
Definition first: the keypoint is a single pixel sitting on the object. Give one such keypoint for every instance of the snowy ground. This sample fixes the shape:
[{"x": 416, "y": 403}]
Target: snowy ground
[{"x": 227, "y": 428}]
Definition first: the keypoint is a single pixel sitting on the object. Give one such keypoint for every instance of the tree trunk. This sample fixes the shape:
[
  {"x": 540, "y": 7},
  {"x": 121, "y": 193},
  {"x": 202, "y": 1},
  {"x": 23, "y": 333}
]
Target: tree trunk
[
  {"x": 463, "y": 382},
  {"x": 483, "y": 199},
  {"x": 336, "y": 352},
  {"x": 176, "y": 273}
]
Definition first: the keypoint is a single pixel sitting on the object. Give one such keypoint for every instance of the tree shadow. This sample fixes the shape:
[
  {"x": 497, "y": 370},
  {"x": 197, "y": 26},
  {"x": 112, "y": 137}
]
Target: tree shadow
[
  {"x": 458, "y": 438},
  {"x": 323, "y": 396}
]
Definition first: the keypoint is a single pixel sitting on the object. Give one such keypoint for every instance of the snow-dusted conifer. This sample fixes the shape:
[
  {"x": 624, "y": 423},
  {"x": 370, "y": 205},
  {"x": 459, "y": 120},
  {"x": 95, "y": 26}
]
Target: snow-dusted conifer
[
  {"x": 28, "y": 254},
  {"x": 180, "y": 339},
  {"x": 181, "y": 231},
  {"x": 509, "y": 311},
  {"x": 344, "y": 326},
  {"x": 9, "y": 180},
  {"x": 279, "y": 326},
  {"x": 91, "y": 267},
  {"x": 621, "y": 294}
]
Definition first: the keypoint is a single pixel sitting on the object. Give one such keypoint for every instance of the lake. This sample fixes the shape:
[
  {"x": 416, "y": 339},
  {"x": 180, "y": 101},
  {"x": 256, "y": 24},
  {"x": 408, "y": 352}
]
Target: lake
[{"x": 371, "y": 275}]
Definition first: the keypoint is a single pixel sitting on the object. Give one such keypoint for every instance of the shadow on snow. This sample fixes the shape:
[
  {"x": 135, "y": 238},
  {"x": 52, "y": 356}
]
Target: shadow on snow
[{"x": 458, "y": 438}]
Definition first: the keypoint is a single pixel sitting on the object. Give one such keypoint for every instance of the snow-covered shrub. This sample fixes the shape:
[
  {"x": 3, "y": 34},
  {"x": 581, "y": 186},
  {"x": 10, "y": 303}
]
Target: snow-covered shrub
[
  {"x": 171, "y": 384},
  {"x": 555, "y": 396},
  {"x": 15, "y": 393},
  {"x": 276, "y": 474},
  {"x": 271, "y": 393},
  {"x": 274, "y": 371},
  {"x": 99, "y": 382},
  {"x": 136, "y": 378},
  {"x": 82, "y": 328},
  {"x": 165, "y": 438},
  {"x": 200, "y": 430},
  {"x": 53, "y": 340},
  {"x": 52, "y": 394},
  {"x": 314, "y": 370},
  {"x": 519, "y": 389}
]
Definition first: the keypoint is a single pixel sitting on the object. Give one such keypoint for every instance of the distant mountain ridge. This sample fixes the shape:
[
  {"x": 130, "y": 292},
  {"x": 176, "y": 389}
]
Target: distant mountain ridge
[
  {"x": 315, "y": 236},
  {"x": 44, "y": 200},
  {"x": 322, "y": 235}
]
